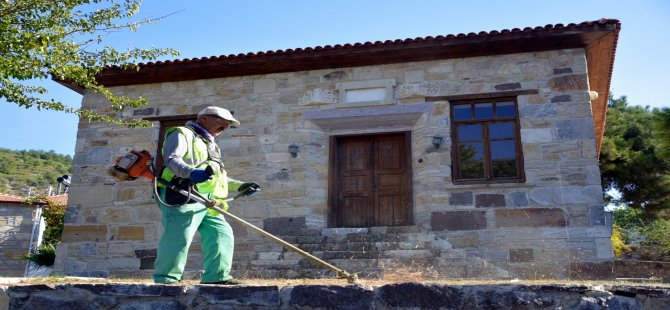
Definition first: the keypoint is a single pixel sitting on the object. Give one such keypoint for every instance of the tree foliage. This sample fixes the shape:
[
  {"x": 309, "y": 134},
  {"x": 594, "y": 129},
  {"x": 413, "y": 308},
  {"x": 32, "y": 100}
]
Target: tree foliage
[
  {"x": 630, "y": 163},
  {"x": 662, "y": 132},
  {"x": 42, "y": 39},
  {"x": 32, "y": 171}
]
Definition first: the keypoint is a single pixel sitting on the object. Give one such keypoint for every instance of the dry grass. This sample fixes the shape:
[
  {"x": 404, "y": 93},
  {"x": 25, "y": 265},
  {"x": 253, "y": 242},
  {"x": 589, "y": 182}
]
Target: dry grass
[{"x": 398, "y": 277}]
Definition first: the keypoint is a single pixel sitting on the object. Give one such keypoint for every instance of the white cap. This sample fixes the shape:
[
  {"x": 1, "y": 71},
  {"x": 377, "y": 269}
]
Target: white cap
[{"x": 220, "y": 112}]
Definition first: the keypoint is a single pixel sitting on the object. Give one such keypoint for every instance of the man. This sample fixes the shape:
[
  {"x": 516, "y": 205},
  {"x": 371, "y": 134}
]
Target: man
[{"x": 192, "y": 156}]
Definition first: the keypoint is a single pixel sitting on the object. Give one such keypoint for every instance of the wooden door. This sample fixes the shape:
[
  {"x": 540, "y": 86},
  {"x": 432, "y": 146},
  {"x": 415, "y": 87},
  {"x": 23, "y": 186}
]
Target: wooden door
[{"x": 372, "y": 181}]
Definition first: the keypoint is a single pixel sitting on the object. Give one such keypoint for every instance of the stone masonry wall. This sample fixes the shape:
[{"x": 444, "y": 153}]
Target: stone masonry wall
[
  {"x": 16, "y": 227},
  {"x": 390, "y": 296},
  {"x": 642, "y": 269},
  {"x": 552, "y": 225}
]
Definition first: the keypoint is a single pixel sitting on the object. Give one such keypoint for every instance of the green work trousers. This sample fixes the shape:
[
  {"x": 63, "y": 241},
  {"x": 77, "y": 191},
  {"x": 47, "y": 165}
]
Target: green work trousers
[{"x": 180, "y": 225}]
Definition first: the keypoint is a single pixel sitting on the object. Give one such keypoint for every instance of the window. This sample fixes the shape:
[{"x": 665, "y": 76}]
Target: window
[{"x": 486, "y": 143}]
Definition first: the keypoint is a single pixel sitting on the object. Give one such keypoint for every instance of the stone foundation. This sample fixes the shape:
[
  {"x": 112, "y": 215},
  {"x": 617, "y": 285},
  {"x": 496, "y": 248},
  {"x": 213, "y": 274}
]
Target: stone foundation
[
  {"x": 642, "y": 269},
  {"x": 391, "y": 296}
]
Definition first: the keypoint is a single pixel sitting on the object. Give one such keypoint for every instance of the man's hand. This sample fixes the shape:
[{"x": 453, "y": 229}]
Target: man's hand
[
  {"x": 199, "y": 176},
  {"x": 249, "y": 188}
]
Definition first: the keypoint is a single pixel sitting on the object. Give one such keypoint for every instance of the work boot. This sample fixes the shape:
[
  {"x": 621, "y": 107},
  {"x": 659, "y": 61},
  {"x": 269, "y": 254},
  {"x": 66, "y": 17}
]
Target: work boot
[{"x": 228, "y": 282}]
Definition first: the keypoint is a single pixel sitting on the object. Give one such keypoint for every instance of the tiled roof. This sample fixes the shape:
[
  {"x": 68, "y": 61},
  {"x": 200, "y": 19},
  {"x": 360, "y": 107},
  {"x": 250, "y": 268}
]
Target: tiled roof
[
  {"x": 60, "y": 200},
  {"x": 492, "y": 35},
  {"x": 57, "y": 199},
  {"x": 4, "y": 198},
  {"x": 590, "y": 34}
]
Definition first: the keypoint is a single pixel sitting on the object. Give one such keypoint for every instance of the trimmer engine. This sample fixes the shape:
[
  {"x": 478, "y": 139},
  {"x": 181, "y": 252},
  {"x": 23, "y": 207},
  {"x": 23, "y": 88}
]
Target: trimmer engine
[{"x": 133, "y": 165}]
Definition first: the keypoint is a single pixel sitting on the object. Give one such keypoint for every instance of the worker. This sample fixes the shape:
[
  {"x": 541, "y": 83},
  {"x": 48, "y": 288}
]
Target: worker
[{"x": 191, "y": 154}]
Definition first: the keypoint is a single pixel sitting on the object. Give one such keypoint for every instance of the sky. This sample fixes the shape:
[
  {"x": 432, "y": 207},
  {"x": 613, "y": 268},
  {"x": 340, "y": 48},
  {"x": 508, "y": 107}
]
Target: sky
[{"x": 199, "y": 28}]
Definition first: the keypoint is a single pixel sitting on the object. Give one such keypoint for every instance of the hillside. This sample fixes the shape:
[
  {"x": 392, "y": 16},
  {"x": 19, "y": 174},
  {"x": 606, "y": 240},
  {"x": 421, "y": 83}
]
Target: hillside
[{"x": 32, "y": 170}]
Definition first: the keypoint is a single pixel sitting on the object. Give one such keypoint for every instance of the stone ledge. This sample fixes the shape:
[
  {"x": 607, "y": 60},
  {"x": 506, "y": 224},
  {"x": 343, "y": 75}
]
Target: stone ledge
[{"x": 410, "y": 295}]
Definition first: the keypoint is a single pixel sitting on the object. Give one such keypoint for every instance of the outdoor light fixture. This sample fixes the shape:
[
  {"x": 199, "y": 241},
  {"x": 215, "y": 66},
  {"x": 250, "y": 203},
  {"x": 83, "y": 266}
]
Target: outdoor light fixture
[
  {"x": 437, "y": 141},
  {"x": 293, "y": 150},
  {"x": 65, "y": 182}
]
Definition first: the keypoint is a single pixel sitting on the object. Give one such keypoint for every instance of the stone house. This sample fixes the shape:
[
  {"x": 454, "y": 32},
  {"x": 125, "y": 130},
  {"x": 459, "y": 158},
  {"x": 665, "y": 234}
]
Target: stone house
[
  {"x": 21, "y": 227},
  {"x": 16, "y": 226},
  {"x": 471, "y": 155}
]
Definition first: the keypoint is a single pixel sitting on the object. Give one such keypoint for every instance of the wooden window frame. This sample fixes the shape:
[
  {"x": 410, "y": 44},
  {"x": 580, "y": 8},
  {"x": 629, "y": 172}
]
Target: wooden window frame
[{"x": 488, "y": 178}]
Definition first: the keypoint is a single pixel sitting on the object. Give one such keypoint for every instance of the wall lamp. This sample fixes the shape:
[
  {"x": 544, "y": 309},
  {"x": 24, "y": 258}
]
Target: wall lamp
[
  {"x": 437, "y": 141},
  {"x": 293, "y": 150}
]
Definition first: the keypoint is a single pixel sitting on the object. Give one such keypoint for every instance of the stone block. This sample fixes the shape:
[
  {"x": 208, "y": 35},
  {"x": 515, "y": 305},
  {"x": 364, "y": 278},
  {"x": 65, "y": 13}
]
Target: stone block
[
  {"x": 591, "y": 270},
  {"x": 94, "y": 156},
  {"x": 329, "y": 232},
  {"x": 518, "y": 199},
  {"x": 318, "y": 96},
  {"x": 144, "y": 112},
  {"x": 131, "y": 233},
  {"x": 458, "y": 220},
  {"x": 464, "y": 241},
  {"x": 461, "y": 199},
  {"x": 265, "y": 85},
  {"x": 549, "y": 196},
  {"x": 558, "y": 71},
  {"x": 563, "y": 151},
  {"x": 278, "y": 176},
  {"x": 423, "y": 89},
  {"x": 414, "y": 76},
  {"x": 604, "y": 248},
  {"x": 575, "y": 129},
  {"x": 72, "y": 214},
  {"x": 597, "y": 215},
  {"x": 284, "y": 226},
  {"x": 414, "y": 295},
  {"x": 536, "y": 135},
  {"x": 521, "y": 255},
  {"x": 508, "y": 86},
  {"x": 530, "y": 217},
  {"x": 88, "y": 249},
  {"x": 145, "y": 253},
  {"x": 116, "y": 215},
  {"x": 331, "y": 297},
  {"x": 335, "y": 76},
  {"x": 561, "y": 98},
  {"x": 537, "y": 112},
  {"x": 490, "y": 200},
  {"x": 84, "y": 233},
  {"x": 569, "y": 82},
  {"x": 92, "y": 195}
]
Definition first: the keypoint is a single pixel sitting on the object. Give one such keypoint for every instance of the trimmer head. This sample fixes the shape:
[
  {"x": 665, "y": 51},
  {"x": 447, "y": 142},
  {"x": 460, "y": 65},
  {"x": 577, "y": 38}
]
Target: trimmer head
[{"x": 352, "y": 278}]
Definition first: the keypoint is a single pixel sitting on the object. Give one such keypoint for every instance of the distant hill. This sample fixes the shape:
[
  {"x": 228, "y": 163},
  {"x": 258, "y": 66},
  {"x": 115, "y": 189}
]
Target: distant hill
[{"x": 32, "y": 171}]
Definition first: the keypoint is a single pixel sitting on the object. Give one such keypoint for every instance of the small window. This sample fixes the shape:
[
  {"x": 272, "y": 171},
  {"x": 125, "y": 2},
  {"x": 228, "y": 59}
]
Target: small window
[{"x": 487, "y": 146}]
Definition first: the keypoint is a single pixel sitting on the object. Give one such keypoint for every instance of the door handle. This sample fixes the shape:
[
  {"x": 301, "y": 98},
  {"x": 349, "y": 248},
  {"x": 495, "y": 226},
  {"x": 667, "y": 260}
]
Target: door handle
[{"x": 374, "y": 188}]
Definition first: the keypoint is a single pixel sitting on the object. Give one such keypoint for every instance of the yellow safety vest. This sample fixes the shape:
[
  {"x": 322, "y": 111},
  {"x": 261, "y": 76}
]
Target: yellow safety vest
[{"x": 197, "y": 156}]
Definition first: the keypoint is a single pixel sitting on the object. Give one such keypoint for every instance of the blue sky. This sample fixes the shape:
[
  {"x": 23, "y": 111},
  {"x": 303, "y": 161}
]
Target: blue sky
[{"x": 202, "y": 28}]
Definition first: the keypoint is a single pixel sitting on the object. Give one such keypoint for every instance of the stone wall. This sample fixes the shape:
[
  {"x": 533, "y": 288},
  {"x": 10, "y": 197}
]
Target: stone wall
[
  {"x": 16, "y": 227},
  {"x": 391, "y": 296},
  {"x": 642, "y": 269},
  {"x": 552, "y": 225}
]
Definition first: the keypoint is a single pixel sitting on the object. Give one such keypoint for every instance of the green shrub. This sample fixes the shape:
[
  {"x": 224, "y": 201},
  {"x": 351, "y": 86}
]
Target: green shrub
[
  {"x": 54, "y": 216},
  {"x": 45, "y": 256},
  {"x": 619, "y": 245},
  {"x": 655, "y": 241}
]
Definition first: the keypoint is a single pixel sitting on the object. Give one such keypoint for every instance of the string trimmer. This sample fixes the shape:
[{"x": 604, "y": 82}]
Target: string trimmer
[{"x": 139, "y": 163}]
